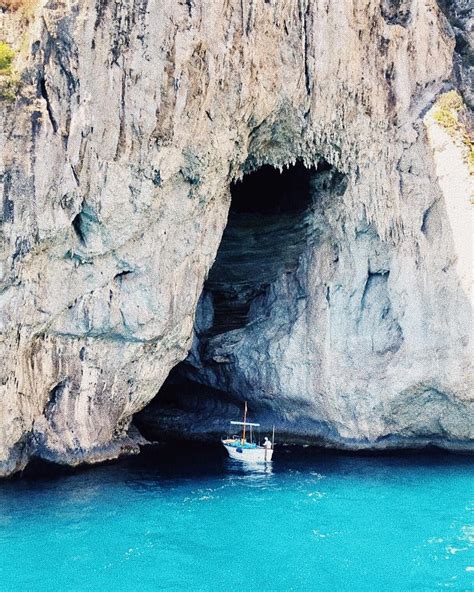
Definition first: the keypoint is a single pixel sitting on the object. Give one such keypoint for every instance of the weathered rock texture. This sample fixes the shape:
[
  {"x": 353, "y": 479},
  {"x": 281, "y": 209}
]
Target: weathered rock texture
[
  {"x": 460, "y": 14},
  {"x": 131, "y": 121}
]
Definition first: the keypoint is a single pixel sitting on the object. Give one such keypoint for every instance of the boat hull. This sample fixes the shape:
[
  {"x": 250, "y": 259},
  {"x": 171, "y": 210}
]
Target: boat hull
[{"x": 259, "y": 454}]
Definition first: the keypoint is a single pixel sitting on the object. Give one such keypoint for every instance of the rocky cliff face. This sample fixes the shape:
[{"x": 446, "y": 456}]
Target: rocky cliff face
[
  {"x": 460, "y": 14},
  {"x": 340, "y": 309}
]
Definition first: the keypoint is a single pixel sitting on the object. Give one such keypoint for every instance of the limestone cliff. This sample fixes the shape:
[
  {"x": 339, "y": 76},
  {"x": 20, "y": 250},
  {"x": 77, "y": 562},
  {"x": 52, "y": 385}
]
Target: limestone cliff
[{"x": 123, "y": 126}]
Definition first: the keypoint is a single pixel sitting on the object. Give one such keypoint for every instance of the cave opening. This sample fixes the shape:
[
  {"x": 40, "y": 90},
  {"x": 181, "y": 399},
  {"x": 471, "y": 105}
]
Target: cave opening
[
  {"x": 265, "y": 233},
  {"x": 270, "y": 224}
]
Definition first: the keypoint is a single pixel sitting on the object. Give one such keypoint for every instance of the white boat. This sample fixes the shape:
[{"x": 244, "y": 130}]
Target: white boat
[{"x": 248, "y": 450}]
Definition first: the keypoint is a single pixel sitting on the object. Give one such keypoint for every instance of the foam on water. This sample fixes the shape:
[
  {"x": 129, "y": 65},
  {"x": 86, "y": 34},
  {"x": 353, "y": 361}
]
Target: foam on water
[{"x": 165, "y": 521}]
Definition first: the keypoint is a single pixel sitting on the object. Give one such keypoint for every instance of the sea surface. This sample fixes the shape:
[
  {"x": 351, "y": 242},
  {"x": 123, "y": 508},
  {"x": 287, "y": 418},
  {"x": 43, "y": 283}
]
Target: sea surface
[{"x": 187, "y": 518}]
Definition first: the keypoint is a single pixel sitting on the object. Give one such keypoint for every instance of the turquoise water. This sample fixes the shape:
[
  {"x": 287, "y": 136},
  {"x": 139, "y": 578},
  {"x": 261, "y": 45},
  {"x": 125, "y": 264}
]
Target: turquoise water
[{"x": 314, "y": 522}]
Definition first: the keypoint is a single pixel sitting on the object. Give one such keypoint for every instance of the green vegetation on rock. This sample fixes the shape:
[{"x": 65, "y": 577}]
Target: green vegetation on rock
[
  {"x": 448, "y": 111},
  {"x": 9, "y": 87},
  {"x": 9, "y": 81},
  {"x": 6, "y": 58}
]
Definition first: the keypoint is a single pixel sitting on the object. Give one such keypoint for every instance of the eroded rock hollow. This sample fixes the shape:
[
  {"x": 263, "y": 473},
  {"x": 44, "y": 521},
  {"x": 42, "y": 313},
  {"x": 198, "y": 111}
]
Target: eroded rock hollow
[{"x": 266, "y": 201}]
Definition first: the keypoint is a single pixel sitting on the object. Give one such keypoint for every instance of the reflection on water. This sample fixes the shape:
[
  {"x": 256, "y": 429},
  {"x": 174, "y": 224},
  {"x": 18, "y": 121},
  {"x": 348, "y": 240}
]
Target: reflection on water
[
  {"x": 249, "y": 468},
  {"x": 192, "y": 519}
]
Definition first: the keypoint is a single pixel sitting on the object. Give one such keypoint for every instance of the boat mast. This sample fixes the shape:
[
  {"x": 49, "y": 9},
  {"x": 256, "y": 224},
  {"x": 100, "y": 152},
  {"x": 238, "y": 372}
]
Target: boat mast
[
  {"x": 245, "y": 419},
  {"x": 273, "y": 438}
]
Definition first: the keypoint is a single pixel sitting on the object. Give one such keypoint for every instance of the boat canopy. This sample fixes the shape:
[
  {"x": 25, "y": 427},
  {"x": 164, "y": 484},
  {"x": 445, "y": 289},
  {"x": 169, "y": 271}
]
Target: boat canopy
[{"x": 246, "y": 423}]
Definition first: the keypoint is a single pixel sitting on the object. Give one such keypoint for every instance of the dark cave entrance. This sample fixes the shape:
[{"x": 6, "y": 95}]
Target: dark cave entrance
[
  {"x": 265, "y": 234},
  {"x": 270, "y": 223}
]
